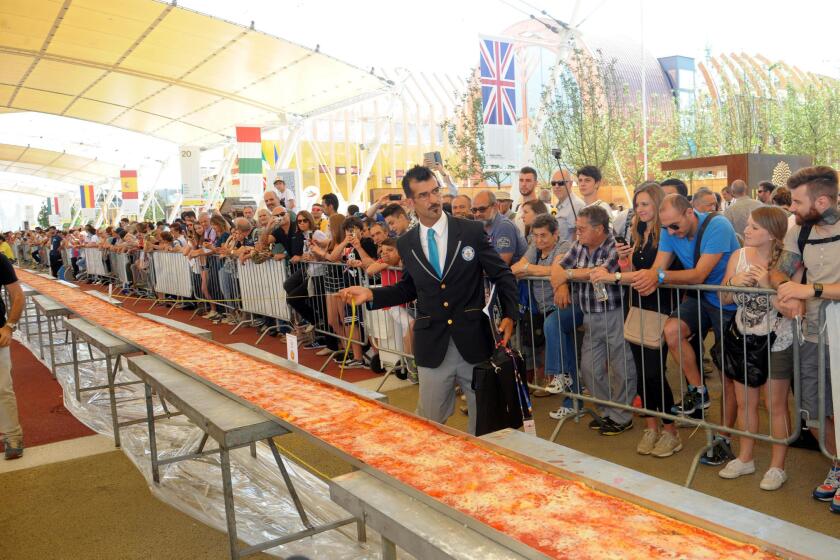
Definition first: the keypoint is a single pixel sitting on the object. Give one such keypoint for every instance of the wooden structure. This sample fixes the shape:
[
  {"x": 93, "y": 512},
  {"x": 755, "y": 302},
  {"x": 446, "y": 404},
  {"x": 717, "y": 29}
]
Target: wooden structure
[{"x": 750, "y": 168}]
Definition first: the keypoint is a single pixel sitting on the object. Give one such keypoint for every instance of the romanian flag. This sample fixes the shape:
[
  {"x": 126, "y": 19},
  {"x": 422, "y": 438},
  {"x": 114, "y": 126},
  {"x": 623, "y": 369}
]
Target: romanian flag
[
  {"x": 128, "y": 181},
  {"x": 88, "y": 200}
]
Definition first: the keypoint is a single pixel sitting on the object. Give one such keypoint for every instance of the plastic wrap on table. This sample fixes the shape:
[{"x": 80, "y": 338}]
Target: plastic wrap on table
[{"x": 264, "y": 508}]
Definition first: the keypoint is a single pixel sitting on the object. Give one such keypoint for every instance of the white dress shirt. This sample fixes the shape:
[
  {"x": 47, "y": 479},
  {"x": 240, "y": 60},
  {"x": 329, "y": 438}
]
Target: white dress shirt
[{"x": 441, "y": 229}]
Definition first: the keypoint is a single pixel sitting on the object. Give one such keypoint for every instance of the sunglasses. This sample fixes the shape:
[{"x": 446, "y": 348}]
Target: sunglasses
[
  {"x": 673, "y": 227},
  {"x": 303, "y": 221},
  {"x": 559, "y": 183},
  {"x": 478, "y": 209}
]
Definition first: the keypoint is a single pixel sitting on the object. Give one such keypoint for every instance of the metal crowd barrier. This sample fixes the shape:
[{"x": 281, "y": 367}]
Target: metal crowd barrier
[
  {"x": 261, "y": 290},
  {"x": 621, "y": 393},
  {"x": 172, "y": 274},
  {"x": 95, "y": 261}
]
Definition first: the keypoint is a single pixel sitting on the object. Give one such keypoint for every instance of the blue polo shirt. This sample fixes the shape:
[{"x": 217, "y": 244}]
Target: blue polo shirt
[
  {"x": 506, "y": 238},
  {"x": 718, "y": 239}
]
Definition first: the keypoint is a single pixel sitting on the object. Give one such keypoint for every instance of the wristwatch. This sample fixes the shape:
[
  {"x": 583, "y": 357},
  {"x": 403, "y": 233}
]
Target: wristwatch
[
  {"x": 569, "y": 274},
  {"x": 818, "y": 290},
  {"x": 13, "y": 326},
  {"x": 660, "y": 276},
  {"x": 617, "y": 276}
]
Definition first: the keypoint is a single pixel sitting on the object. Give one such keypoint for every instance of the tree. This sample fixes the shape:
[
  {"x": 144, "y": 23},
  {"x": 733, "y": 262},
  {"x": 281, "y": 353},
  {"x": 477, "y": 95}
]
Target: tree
[
  {"x": 811, "y": 124},
  {"x": 44, "y": 214},
  {"x": 466, "y": 135}
]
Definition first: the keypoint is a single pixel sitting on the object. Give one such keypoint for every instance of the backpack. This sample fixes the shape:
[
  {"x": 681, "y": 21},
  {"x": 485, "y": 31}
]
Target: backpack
[
  {"x": 803, "y": 240},
  {"x": 700, "y": 232}
]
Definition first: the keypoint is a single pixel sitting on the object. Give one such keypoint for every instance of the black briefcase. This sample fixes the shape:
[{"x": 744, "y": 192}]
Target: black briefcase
[{"x": 501, "y": 395}]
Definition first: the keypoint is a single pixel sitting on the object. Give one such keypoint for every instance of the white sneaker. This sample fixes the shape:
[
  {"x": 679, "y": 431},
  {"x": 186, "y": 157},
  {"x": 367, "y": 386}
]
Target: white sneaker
[
  {"x": 211, "y": 315},
  {"x": 736, "y": 468},
  {"x": 561, "y": 413},
  {"x": 559, "y": 383},
  {"x": 323, "y": 352},
  {"x": 649, "y": 438},
  {"x": 773, "y": 479}
]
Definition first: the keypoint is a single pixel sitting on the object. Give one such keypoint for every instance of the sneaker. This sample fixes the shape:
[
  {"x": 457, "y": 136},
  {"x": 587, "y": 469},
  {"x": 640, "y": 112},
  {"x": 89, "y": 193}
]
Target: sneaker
[
  {"x": 773, "y": 479},
  {"x": 826, "y": 491},
  {"x": 597, "y": 423},
  {"x": 561, "y": 413},
  {"x": 314, "y": 345},
  {"x": 323, "y": 352},
  {"x": 736, "y": 468},
  {"x": 14, "y": 449},
  {"x": 558, "y": 383},
  {"x": 721, "y": 453},
  {"x": 354, "y": 364},
  {"x": 835, "y": 504},
  {"x": 693, "y": 400},
  {"x": 612, "y": 428},
  {"x": 209, "y": 315},
  {"x": 649, "y": 438},
  {"x": 667, "y": 445}
]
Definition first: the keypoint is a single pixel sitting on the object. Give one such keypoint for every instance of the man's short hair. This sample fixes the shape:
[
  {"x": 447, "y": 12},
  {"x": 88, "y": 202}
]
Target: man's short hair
[
  {"x": 766, "y": 186},
  {"x": 469, "y": 200},
  {"x": 278, "y": 180},
  {"x": 678, "y": 202},
  {"x": 395, "y": 210},
  {"x": 590, "y": 171},
  {"x": 352, "y": 223},
  {"x": 545, "y": 221},
  {"x": 678, "y": 184},
  {"x": 389, "y": 242},
  {"x": 491, "y": 196},
  {"x": 596, "y": 215},
  {"x": 188, "y": 214},
  {"x": 417, "y": 173},
  {"x": 330, "y": 199},
  {"x": 821, "y": 180},
  {"x": 528, "y": 170},
  {"x": 738, "y": 187},
  {"x": 353, "y": 209}
]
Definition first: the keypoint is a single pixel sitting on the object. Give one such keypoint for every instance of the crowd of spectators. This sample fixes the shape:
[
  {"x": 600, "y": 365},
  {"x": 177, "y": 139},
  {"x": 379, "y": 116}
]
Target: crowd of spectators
[{"x": 584, "y": 267}]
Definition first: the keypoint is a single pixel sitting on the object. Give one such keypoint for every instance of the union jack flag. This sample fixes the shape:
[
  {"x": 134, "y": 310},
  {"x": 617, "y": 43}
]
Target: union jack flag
[{"x": 498, "y": 85}]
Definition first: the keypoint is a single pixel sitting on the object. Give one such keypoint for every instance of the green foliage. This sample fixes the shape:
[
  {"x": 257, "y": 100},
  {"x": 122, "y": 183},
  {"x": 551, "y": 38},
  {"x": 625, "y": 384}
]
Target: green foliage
[
  {"x": 44, "y": 214},
  {"x": 810, "y": 123}
]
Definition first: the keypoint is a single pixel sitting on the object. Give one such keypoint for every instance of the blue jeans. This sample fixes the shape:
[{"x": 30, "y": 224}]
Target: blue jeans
[
  {"x": 560, "y": 347},
  {"x": 226, "y": 284}
]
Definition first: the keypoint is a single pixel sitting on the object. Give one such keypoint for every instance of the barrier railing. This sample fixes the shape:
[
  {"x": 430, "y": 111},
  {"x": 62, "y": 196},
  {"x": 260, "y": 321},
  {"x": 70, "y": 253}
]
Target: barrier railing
[
  {"x": 172, "y": 274},
  {"x": 95, "y": 262},
  {"x": 261, "y": 290},
  {"x": 582, "y": 347}
]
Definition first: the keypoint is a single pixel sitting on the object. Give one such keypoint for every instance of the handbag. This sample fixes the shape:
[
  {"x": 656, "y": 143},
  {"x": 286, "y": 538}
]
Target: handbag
[
  {"x": 645, "y": 322},
  {"x": 745, "y": 355},
  {"x": 498, "y": 400}
]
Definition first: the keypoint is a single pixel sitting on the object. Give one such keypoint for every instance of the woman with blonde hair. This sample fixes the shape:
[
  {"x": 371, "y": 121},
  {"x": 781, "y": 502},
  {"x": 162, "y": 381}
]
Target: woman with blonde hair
[{"x": 756, "y": 328}]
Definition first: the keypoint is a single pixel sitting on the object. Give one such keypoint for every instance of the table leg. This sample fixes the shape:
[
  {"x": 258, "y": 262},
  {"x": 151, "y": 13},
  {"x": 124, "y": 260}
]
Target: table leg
[
  {"x": 51, "y": 339},
  {"x": 150, "y": 418},
  {"x": 289, "y": 486},
  {"x": 254, "y": 449},
  {"x": 230, "y": 512},
  {"x": 76, "y": 376},
  {"x": 112, "y": 374},
  {"x": 40, "y": 333},
  {"x": 389, "y": 550}
]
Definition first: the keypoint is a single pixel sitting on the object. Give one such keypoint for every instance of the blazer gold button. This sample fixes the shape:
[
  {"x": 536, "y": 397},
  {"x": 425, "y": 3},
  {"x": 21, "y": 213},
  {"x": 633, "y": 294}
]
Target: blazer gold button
[
  {"x": 443, "y": 286},
  {"x": 446, "y": 304},
  {"x": 449, "y": 321}
]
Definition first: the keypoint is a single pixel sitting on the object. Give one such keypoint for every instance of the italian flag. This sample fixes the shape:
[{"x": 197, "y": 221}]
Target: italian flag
[{"x": 249, "y": 149}]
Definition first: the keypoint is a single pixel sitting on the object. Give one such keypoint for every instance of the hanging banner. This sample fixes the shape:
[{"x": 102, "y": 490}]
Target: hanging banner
[
  {"x": 130, "y": 196},
  {"x": 498, "y": 98},
  {"x": 60, "y": 206},
  {"x": 249, "y": 149},
  {"x": 87, "y": 196},
  {"x": 191, "y": 173}
]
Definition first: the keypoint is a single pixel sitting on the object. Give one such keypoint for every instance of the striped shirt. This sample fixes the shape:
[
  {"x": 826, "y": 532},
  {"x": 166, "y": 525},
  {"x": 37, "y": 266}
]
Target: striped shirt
[{"x": 606, "y": 256}]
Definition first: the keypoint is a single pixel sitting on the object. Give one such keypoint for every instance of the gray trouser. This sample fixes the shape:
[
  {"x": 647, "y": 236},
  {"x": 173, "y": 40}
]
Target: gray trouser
[
  {"x": 606, "y": 363},
  {"x": 437, "y": 387},
  {"x": 9, "y": 423}
]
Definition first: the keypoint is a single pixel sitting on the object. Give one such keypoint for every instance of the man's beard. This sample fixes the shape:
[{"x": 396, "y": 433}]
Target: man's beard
[{"x": 812, "y": 218}]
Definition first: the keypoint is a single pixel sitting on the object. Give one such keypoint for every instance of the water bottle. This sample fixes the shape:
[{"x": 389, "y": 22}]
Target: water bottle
[{"x": 600, "y": 292}]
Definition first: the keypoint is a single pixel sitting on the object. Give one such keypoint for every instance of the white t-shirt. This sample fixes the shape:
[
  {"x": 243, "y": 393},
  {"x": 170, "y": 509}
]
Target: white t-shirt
[{"x": 286, "y": 197}]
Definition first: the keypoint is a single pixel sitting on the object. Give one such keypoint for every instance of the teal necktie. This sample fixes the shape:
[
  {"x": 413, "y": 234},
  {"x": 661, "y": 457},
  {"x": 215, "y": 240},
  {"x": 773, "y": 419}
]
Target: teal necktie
[{"x": 434, "y": 258}]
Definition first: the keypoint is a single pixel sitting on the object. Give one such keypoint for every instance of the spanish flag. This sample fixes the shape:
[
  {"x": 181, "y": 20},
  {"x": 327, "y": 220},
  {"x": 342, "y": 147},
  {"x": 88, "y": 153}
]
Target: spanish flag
[
  {"x": 88, "y": 200},
  {"x": 128, "y": 180}
]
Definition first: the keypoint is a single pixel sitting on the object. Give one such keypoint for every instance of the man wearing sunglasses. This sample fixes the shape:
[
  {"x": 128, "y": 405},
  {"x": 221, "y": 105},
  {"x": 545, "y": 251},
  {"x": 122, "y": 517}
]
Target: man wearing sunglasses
[
  {"x": 568, "y": 207},
  {"x": 504, "y": 236},
  {"x": 685, "y": 330}
]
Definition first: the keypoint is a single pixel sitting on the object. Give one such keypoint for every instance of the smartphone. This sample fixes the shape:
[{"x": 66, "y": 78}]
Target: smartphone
[
  {"x": 431, "y": 158},
  {"x": 620, "y": 240},
  {"x": 394, "y": 197}
]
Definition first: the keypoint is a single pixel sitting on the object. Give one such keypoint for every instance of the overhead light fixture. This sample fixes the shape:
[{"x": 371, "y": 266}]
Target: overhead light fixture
[{"x": 341, "y": 171}]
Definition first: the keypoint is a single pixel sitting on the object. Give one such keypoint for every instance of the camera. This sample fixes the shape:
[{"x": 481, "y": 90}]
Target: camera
[{"x": 556, "y": 153}]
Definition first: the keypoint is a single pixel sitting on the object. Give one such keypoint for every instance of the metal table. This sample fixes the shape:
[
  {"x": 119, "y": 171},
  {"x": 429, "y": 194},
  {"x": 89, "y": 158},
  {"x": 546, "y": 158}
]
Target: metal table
[
  {"x": 231, "y": 425},
  {"x": 51, "y": 310},
  {"x": 716, "y": 515},
  {"x": 405, "y": 522},
  {"x": 189, "y": 329},
  {"x": 112, "y": 349},
  {"x": 307, "y": 372}
]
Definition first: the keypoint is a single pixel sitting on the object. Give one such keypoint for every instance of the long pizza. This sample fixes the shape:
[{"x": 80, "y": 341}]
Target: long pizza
[{"x": 558, "y": 517}]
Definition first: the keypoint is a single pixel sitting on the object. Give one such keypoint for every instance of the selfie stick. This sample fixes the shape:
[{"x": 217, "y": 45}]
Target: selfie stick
[{"x": 556, "y": 152}]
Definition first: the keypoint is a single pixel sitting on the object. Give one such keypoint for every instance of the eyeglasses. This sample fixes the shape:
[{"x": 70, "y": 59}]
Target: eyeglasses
[
  {"x": 559, "y": 183},
  {"x": 478, "y": 209}
]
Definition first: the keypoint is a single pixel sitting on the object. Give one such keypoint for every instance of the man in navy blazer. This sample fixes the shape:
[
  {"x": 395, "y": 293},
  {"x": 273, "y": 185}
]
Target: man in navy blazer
[{"x": 445, "y": 261}]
